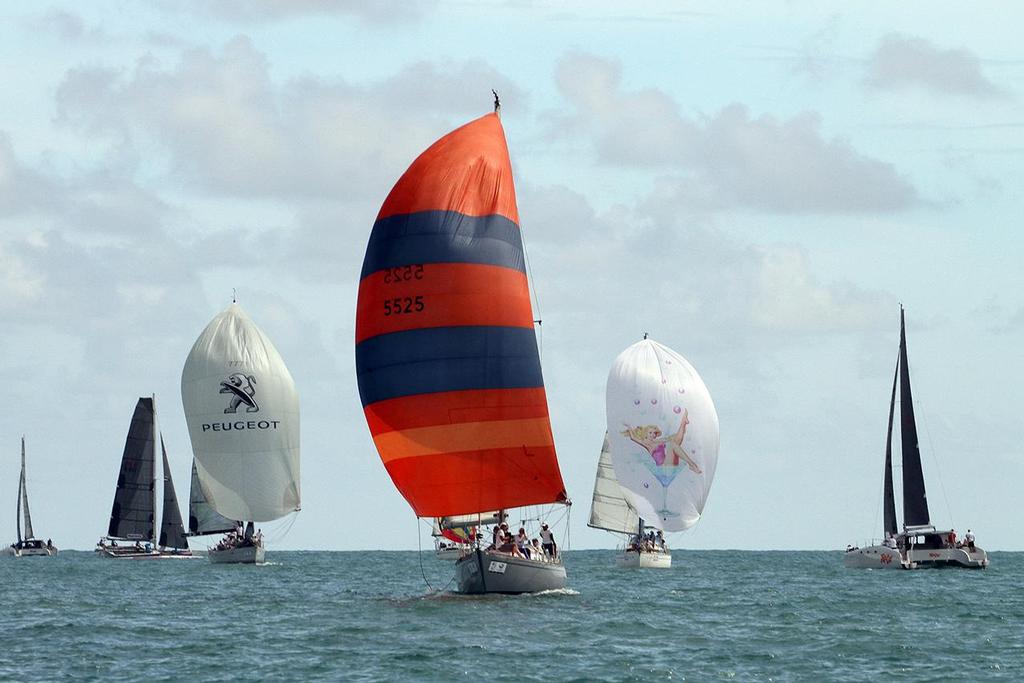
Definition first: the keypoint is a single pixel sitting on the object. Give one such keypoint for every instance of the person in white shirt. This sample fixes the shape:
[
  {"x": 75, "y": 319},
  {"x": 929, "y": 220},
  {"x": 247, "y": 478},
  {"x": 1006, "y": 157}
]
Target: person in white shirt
[
  {"x": 547, "y": 541},
  {"x": 969, "y": 540}
]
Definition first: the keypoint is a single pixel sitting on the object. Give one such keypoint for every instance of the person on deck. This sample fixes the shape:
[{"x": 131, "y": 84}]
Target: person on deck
[
  {"x": 547, "y": 541},
  {"x": 951, "y": 538},
  {"x": 523, "y": 542},
  {"x": 969, "y": 540}
]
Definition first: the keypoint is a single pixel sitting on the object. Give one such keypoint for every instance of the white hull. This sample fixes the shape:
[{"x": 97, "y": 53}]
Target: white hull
[
  {"x": 644, "y": 560},
  {"x": 449, "y": 554},
  {"x": 130, "y": 553},
  {"x": 884, "y": 557},
  {"x": 250, "y": 554},
  {"x": 30, "y": 552}
]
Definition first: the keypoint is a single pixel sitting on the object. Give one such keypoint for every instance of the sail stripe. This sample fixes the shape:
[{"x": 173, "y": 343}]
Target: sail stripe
[
  {"x": 436, "y": 484},
  {"x": 464, "y": 437},
  {"x": 442, "y": 295},
  {"x": 443, "y": 237},
  {"x": 447, "y": 359},
  {"x": 455, "y": 407}
]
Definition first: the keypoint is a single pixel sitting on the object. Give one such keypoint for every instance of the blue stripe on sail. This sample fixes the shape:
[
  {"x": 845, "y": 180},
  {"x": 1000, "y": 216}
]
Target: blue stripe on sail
[
  {"x": 443, "y": 237},
  {"x": 437, "y": 359}
]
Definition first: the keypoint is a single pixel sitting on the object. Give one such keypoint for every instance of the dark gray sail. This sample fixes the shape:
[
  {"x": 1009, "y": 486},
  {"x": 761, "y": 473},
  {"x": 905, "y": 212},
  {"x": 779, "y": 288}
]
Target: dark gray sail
[
  {"x": 132, "y": 515},
  {"x": 889, "y": 505},
  {"x": 915, "y": 499},
  {"x": 172, "y": 531},
  {"x": 202, "y": 518},
  {"x": 21, "y": 487},
  {"x": 23, "y": 497}
]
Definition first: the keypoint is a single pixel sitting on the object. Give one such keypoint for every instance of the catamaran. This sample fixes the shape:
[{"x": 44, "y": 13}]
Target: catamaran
[
  {"x": 662, "y": 444},
  {"x": 447, "y": 361},
  {"x": 132, "y": 532},
  {"x": 27, "y": 545},
  {"x": 242, "y": 411},
  {"x": 919, "y": 544}
]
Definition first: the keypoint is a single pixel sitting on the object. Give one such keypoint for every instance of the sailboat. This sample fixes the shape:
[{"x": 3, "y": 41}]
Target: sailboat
[
  {"x": 133, "y": 531},
  {"x": 447, "y": 361},
  {"x": 663, "y": 445},
  {"x": 27, "y": 545},
  {"x": 242, "y": 411},
  {"x": 919, "y": 544}
]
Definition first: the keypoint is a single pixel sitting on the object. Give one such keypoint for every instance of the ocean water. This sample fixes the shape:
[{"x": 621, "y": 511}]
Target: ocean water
[{"x": 716, "y": 615}]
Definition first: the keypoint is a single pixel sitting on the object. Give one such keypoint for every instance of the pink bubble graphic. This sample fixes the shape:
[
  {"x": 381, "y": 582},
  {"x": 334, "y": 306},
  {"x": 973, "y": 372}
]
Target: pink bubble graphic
[
  {"x": 646, "y": 485},
  {"x": 682, "y": 391},
  {"x": 664, "y": 381},
  {"x": 677, "y": 410},
  {"x": 654, "y": 401},
  {"x": 636, "y": 402}
]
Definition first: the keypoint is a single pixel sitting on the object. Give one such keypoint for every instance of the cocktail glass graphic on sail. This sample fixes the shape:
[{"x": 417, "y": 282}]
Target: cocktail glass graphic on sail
[
  {"x": 662, "y": 437},
  {"x": 27, "y": 544},
  {"x": 446, "y": 356},
  {"x": 133, "y": 532},
  {"x": 242, "y": 411}
]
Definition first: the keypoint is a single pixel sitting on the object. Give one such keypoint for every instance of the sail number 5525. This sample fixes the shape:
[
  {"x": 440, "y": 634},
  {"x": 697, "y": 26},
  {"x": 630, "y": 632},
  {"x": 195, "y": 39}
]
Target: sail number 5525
[
  {"x": 403, "y": 304},
  {"x": 403, "y": 273}
]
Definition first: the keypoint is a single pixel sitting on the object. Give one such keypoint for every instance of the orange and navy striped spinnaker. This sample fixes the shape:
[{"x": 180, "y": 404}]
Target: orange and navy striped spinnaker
[{"x": 446, "y": 354}]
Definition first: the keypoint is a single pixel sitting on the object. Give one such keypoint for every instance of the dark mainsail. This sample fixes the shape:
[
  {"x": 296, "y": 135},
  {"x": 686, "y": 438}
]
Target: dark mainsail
[
  {"x": 202, "y": 518},
  {"x": 890, "y": 499},
  {"x": 132, "y": 515},
  {"x": 915, "y": 499},
  {"x": 172, "y": 531}
]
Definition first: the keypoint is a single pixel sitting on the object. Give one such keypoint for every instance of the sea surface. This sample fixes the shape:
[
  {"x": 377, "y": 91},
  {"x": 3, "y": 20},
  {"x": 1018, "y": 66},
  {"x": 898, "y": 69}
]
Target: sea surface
[{"x": 716, "y": 615}]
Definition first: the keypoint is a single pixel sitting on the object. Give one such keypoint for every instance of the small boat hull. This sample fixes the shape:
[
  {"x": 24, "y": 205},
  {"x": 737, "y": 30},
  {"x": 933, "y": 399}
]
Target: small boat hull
[
  {"x": 884, "y": 557},
  {"x": 451, "y": 553},
  {"x": 480, "y": 572},
  {"x": 644, "y": 560},
  {"x": 45, "y": 551},
  {"x": 250, "y": 554}
]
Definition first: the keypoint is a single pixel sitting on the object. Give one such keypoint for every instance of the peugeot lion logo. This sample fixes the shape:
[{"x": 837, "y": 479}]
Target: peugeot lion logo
[{"x": 242, "y": 391}]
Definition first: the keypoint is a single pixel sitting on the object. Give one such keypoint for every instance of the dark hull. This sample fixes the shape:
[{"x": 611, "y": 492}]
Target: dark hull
[{"x": 481, "y": 572}]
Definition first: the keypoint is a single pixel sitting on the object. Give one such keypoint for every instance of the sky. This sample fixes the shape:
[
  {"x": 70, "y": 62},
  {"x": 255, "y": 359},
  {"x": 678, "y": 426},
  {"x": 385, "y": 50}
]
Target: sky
[{"x": 758, "y": 186}]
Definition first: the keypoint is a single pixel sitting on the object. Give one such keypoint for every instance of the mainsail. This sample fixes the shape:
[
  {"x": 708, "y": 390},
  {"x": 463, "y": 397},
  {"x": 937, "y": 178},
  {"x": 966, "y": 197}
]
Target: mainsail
[
  {"x": 663, "y": 433},
  {"x": 23, "y": 498},
  {"x": 446, "y": 354},
  {"x": 202, "y": 518},
  {"x": 915, "y": 499},
  {"x": 889, "y": 498},
  {"x": 132, "y": 515},
  {"x": 172, "y": 532},
  {"x": 242, "y": 412},
  {"x": 609, "y": 509}
]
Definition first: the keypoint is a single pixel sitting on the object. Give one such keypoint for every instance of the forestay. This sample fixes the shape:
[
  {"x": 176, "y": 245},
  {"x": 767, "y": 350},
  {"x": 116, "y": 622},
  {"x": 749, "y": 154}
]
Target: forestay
[
  {"x": 663, "y": 434},
  {"x": 242, "y": 411},
  {"x": 609, "y": 509}
]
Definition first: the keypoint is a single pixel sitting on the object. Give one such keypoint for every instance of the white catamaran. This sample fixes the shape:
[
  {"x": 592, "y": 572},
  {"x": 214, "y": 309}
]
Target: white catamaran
[
  {"x": 447, "y": 362},
  {"x": 919, "y": 544},
  {"x": 242, "y": 411},
  {"x": 662, "y": 441},
  {"x": 132, "y": 532},
  {"x": 27, "y": 545}
]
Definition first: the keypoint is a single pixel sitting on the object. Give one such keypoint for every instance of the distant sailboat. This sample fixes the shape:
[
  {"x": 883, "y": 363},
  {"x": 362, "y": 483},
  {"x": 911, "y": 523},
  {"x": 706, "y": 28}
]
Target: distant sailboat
[
  {"x": 242, "y": 411},
  {"x": 27, "y": 545},
  {"x": 132, "y": 531},
  {"x": 447, "y": 361},
  {"x": 919, "y": 544},
  {"x": 663, "y": 443}
]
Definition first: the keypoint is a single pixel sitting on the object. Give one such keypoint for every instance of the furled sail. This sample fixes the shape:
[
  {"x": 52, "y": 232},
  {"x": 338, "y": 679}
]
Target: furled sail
[
  {"x": 172, "y": 531},
  {"x": 663, "y": 434},
  {"x": 132, "y": 515},
  {"x": 915, "y": 499},
  {"x": 609, "y": 509},
  {"x": 888, "y": 496},
  {"x": 242, "y": 411},
  {"x": 23, "y": 497},
  {"x": 202, "y": 518},
  {"x": 446, "y": 355}
]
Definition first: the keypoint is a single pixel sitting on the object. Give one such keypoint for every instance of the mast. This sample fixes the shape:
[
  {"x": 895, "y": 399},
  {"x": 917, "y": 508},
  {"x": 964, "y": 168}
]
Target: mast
[
  {"x": 915, "y": 499},
  {"x": 153, "y": 536},
  {"x": 889, "y": 506}
]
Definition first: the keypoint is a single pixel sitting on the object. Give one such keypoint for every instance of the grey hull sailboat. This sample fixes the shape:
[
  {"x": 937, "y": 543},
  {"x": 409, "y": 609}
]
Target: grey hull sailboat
[
  {"x": 919, "y": 544},
  {"x": 132, "y": 531},
  {"x": 27, "y": 545}
]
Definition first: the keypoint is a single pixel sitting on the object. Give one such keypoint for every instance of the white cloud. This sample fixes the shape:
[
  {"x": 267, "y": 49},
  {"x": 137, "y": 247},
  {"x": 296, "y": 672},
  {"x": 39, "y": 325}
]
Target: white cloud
[
  {"x": 901, "y": 61},
  {"x": 377, "y": 12},
  {"x": 731, "y": 159}
]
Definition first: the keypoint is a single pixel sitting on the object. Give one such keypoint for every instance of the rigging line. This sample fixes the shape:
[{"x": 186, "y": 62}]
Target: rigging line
[
  {"x": 419, "y": 553},
  {"x": 931, "y": 451},
  {"x": 539, "y": 321}
]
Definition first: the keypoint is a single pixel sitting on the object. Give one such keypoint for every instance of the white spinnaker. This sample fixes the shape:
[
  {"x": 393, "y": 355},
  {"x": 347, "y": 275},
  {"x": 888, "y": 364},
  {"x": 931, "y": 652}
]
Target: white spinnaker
[
  {"x": 242, "y": 412},
  {"x": 609, "y": 509},
  {"x": 651, "y": 391}
]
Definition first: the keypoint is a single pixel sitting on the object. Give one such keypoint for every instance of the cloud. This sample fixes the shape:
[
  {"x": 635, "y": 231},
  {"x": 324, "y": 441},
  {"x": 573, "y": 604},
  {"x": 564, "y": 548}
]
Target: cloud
[
  {"x": 901, "y": 62},
  {"x": 379, "y": 12},
  {"x": 69, "y": 27},
  {"x": 22, "y": 189},
  {"x": 731, "y": 159},
  {"x": 229, "y": 129}
]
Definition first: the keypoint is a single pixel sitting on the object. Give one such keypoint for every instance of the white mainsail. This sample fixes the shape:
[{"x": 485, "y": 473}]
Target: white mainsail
[
  {"x": 242, "y": 412},
  {"x": 609, "y": 509},
  {"x": 663, "y": 434}
]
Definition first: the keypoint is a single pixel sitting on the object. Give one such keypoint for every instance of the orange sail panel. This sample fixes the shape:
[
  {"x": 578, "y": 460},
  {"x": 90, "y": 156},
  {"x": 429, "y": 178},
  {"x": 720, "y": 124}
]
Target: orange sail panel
[{"x": 446, "y": 355}]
